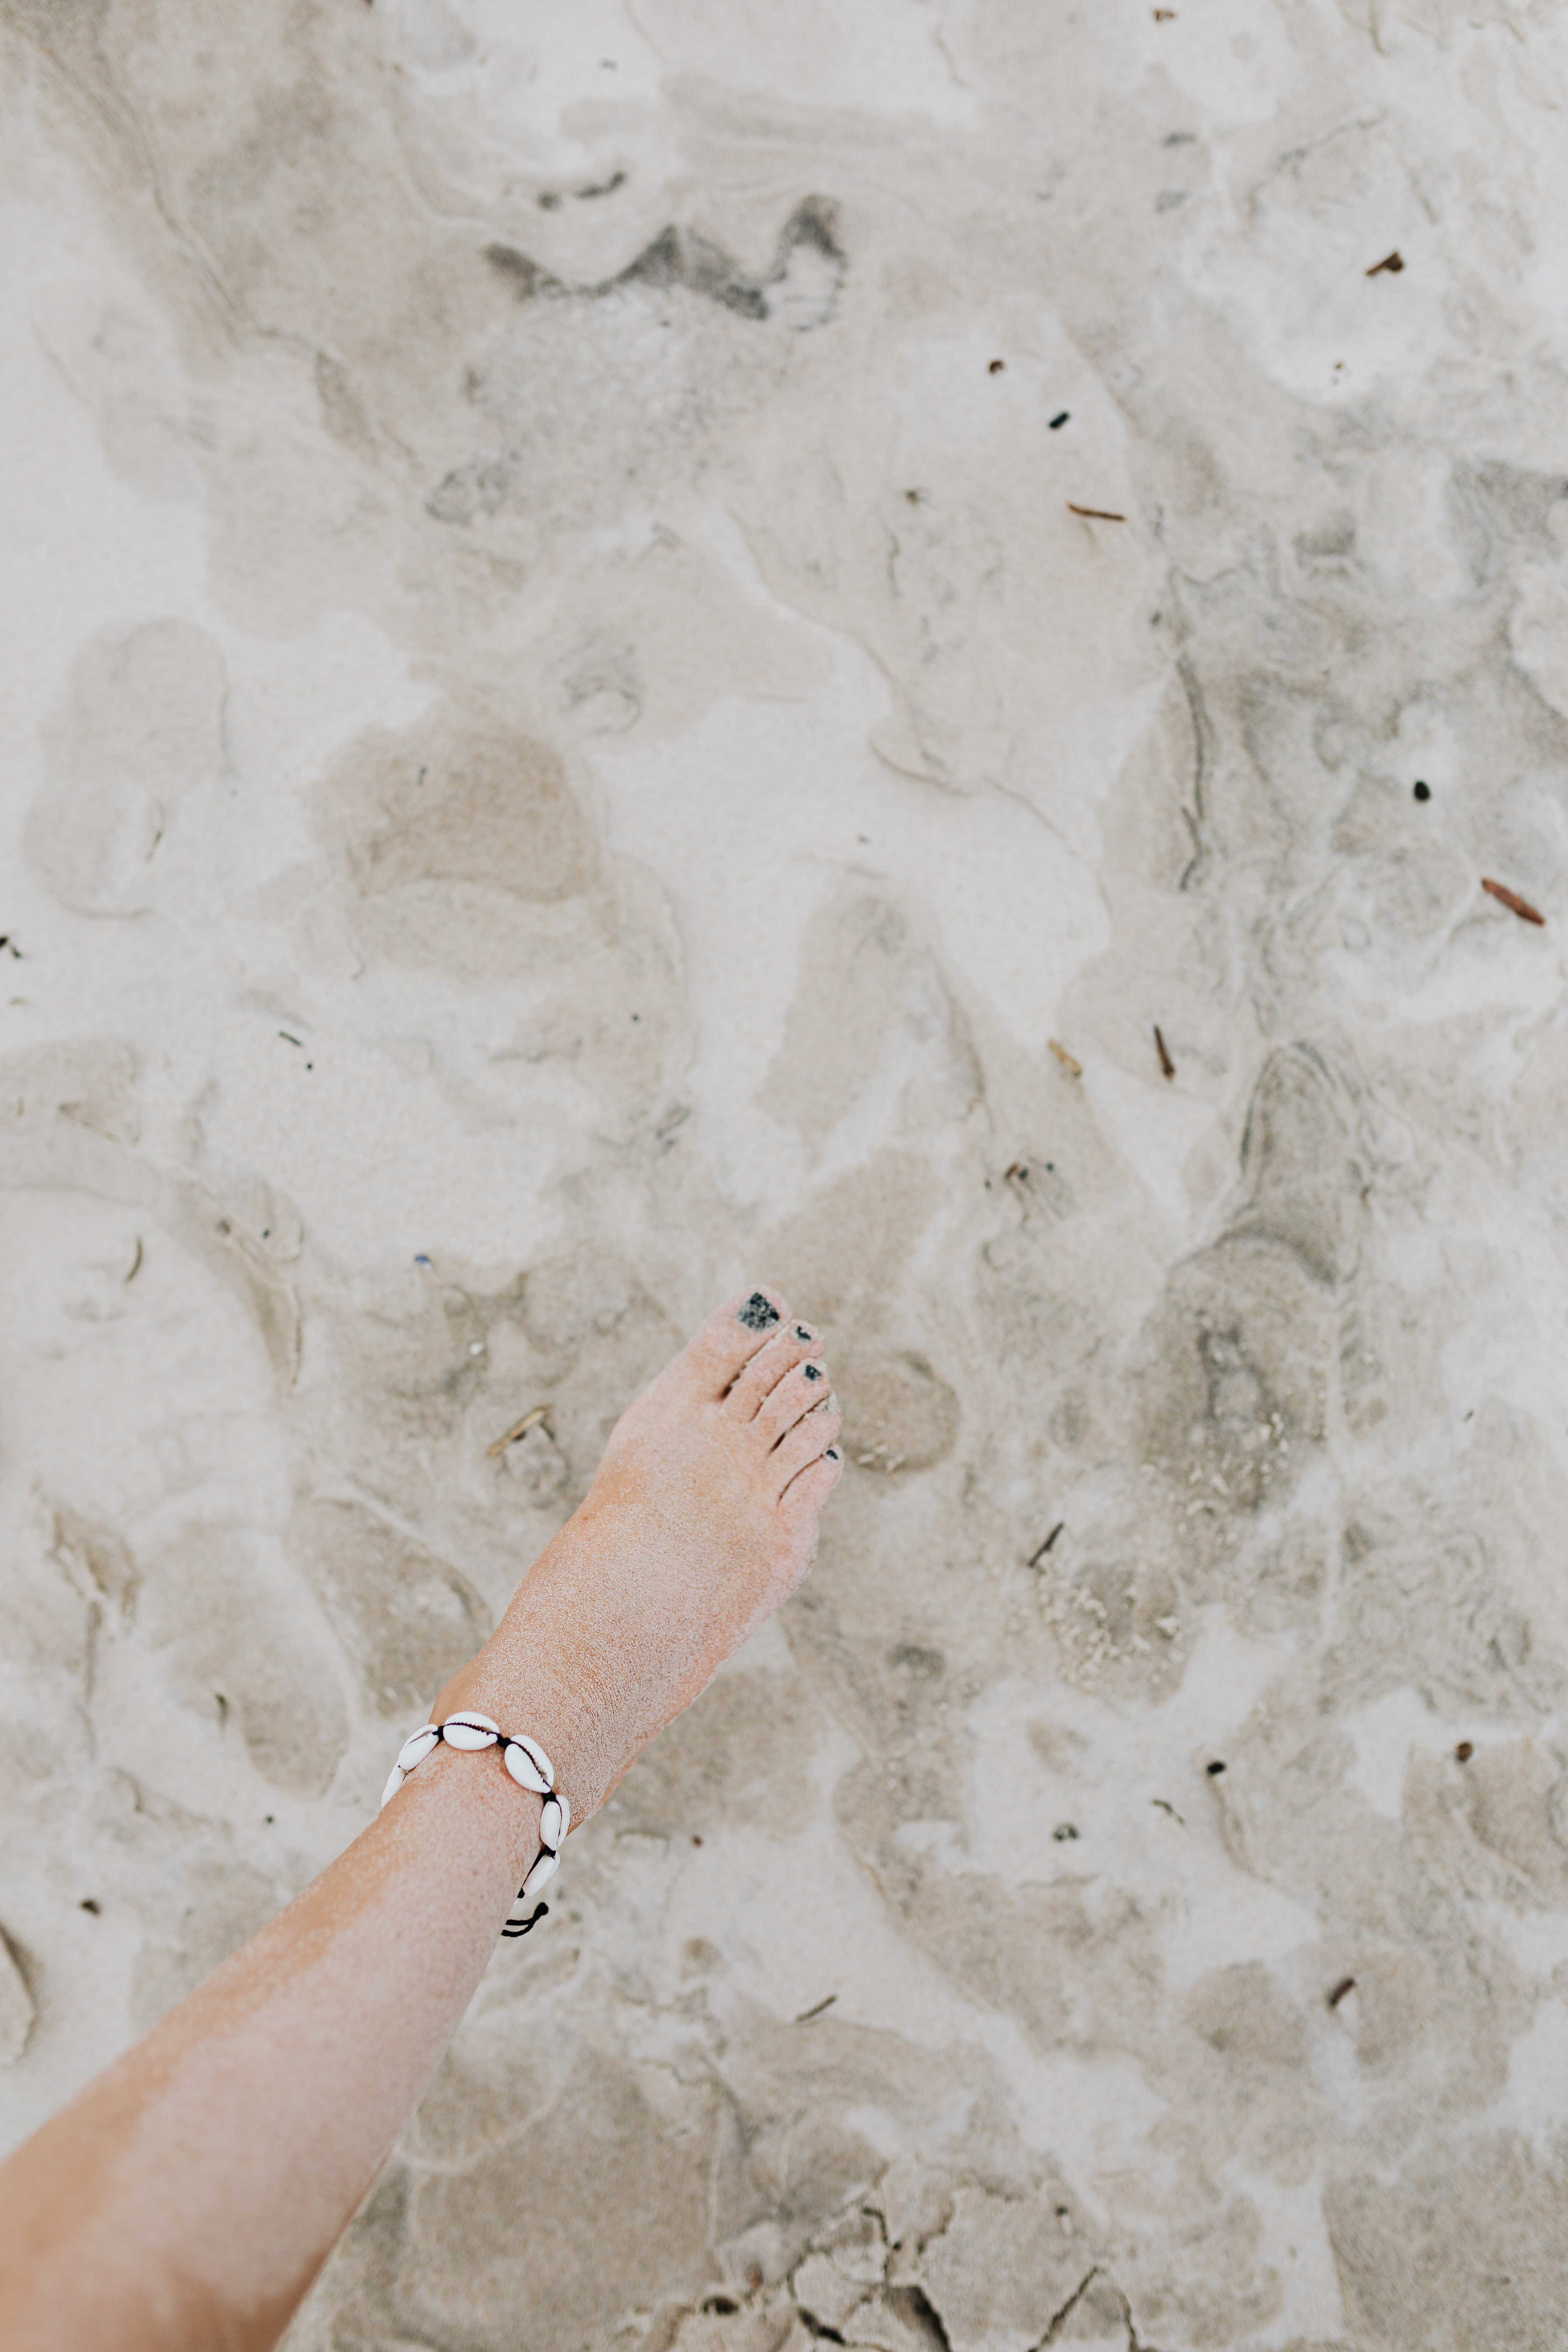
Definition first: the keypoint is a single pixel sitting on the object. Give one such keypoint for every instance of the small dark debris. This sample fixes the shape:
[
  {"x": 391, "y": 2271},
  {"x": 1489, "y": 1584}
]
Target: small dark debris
[
  {"x": 1096, "y": 514},
  {"x": 604, "y": 188},
  {"x": 548, "y": 200},
  {"x": 1214, "y": 1769},
  {"x": 420, "y": 1258},
  {"x": 9, "y": 942},
  {"x": 912, "y": 497},
  {"x": 90, "y": 1903},
  {"x": 269, "y": 1817},
  {"x": 525, "y": 275},
  {"x": 807, "y": 2014},
  {"x": 222, "y": 1709},
  {"x": 136, "y": 1262},
  {"x": 1164, "y": 15},
  {"x": 1393, "y": 262},
  {"x": 996, "y": 367},
  {"x": 1058, "y": 421},
  {"x": 754, "y": 2279},
  {"x": 721, "y": 2306},
  {"x": 1345, "y": 1984},
  {"x": 288, "y": 1040},
  {"x": 695, "y": 1839},
  {"x": 1161, "y": 1806},
  {"x": 1167, "y": 1067},
  {"x": 1465, "y": 1750},
  {"x": 1513, "y": 902},
  {"x": 1423, "y": 792},
  {"x": 1037, "y": 1556},
  {"x": 1063, "y": 1833},
  {"x": 1018, "y": 1174}
]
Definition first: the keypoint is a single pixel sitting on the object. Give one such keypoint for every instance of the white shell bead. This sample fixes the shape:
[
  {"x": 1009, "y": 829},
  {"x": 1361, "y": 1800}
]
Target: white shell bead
[
  {"x": 552, "y": 1823},
  {"x": 417, "y": 1746},
  {"x": 471, "y": 1731},
  {"x": 395, "y": 1782},
  {"x": 544, "y": 1868},
  {"x": 546, "y": 1768},
  {"x": 523, "y": 1768}
]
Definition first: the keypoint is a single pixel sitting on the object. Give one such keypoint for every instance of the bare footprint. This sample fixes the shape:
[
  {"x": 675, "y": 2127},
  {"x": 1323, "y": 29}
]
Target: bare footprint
[{"x": 701, "y": 1520}]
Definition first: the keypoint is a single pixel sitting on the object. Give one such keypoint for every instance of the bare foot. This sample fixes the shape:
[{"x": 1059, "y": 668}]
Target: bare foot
[{"x": 701, "y": 1520}]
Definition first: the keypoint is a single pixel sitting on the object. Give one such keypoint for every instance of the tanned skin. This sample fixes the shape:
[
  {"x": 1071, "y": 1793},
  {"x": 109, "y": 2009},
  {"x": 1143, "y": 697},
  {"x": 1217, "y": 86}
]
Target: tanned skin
[{"x": 187, "y": 2197}]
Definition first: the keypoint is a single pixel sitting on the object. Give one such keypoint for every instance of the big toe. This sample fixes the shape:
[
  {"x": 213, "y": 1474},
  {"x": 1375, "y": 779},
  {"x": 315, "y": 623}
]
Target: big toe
[{"x": 732, "y": 1335}]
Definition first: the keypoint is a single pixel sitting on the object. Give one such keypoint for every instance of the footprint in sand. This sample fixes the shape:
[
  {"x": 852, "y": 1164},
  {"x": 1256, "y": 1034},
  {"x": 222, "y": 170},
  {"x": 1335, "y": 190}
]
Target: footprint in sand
[{"x": 137, "y": 726}]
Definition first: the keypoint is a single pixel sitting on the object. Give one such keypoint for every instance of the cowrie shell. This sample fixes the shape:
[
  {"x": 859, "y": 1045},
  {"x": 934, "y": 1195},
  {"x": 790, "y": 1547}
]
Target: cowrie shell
[
  {"x": 544, "y": 1868},
  {"x": 552, "y": 1823},
  {"x": 546, "y": 1768},
  {"x": 471, "y": 1731},
  {"x": 523, "y": 1768},
  {"x": 417, "y": 1746},
  {"x": 394, "y": 1782}
]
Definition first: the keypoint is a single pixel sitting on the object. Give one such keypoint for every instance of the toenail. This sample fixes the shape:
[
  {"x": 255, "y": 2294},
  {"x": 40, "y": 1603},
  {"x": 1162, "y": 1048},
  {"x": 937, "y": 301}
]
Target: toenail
[
  {"x": 831, "y": 1454},
  {"x": 812, "y": 1371},
  {"x": 802, "y": 1335},
  {"x": 759, "y": 1314}
]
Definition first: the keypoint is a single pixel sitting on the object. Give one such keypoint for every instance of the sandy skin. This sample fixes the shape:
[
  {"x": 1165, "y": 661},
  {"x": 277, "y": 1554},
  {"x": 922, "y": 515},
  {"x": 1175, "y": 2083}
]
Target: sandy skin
[{"x": 189, "y": 2195}]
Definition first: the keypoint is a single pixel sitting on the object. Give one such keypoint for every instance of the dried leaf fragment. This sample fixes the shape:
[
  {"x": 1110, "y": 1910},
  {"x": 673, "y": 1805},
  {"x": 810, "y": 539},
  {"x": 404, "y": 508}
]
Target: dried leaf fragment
[{"x": 1513, "y": 902}]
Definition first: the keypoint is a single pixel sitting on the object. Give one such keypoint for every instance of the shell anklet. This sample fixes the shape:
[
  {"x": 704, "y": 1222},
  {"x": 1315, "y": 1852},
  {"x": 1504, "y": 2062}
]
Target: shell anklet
[{"x": 530, "y": 1767}]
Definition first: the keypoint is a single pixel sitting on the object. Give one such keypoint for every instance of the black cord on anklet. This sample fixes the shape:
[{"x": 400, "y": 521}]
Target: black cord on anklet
[{"x": 522, "y": 1927}]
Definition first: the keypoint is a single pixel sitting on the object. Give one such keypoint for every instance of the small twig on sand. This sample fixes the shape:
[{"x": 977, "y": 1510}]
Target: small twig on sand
[
  {"x": 519, "y": 1429},
  {"x": 1513, "y": 902}
]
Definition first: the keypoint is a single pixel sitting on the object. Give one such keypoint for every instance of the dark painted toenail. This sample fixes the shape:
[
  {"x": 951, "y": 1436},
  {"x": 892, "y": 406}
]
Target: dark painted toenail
[
  {"x": 831, "y": 1454},
  {"x": 802, "y": 1335},
  {"x": 812, "y": 1371},
  {"x": 759, "y": 1314}
]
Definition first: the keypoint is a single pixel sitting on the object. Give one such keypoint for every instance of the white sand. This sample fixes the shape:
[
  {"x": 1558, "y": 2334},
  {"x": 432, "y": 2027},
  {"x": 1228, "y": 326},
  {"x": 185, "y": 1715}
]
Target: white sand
[{"x": 564, "y": 749}]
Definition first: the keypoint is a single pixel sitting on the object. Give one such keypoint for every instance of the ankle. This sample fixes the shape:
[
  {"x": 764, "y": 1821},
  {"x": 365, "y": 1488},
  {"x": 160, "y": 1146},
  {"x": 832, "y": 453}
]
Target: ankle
[{"x": 522, "y": 1686}]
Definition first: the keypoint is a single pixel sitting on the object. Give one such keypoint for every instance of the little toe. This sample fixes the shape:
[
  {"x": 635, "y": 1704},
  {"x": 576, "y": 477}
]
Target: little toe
[
  {"x": 806, "y": 1443},
  {"x": 733, "y": 1333},
  {"x": 780, "y": 1353},
  {"x": 806, "y": 1492},
  {"x": 791, "y": 1398}
]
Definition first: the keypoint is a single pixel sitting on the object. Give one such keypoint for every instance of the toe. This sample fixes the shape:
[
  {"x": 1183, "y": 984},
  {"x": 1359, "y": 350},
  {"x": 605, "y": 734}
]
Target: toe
[
  {"x": 804, "y": 1496},
  {"x": 806, "y": 1443},
  {"x": 733, "y": 1335},
  {"x": 784, "y": 1347},
  {"x": 791, "y": 1398}
]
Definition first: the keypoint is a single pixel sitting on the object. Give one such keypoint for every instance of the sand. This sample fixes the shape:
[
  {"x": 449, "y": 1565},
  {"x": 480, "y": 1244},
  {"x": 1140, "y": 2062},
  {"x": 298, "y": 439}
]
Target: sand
[{"x": 567, "y": 748}]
